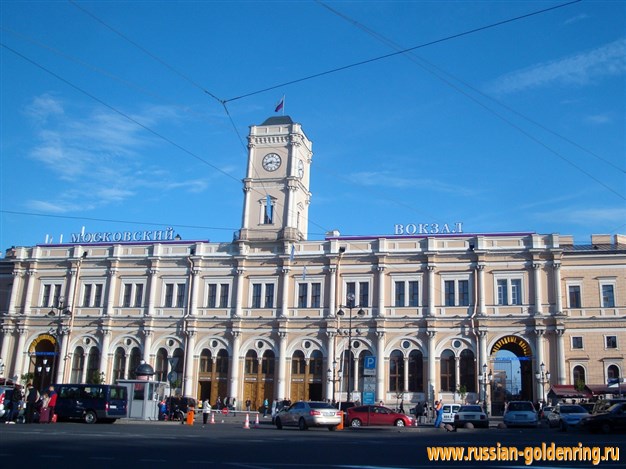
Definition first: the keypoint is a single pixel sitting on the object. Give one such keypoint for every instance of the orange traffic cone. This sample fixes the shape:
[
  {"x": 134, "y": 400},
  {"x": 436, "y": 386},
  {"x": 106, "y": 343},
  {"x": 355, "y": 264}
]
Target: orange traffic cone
[
  {"x": 246, "y": 425},
  {"x": 212, "y": 417},
  {"x": 256, "y": 421}
]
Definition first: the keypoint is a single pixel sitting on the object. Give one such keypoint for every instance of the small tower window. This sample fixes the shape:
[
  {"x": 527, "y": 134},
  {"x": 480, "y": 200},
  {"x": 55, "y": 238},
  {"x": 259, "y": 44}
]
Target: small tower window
[{"x": 268, "y": 215}]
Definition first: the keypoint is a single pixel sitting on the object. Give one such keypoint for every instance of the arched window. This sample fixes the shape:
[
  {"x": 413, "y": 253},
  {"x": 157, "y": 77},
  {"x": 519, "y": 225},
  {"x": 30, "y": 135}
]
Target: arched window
[
  {"x": 447, "y": 371},
  {"x": 221, "y": 363},
  {"x": 468, "y": 371},
  {"x": 252, "y": 364},
  {"x": 267, "y": 363},
  {"x": 297, "y": 363},
  {"x": 396, "y": 371},
  {"x": 78, "y": 364},
  {"x": 135, "y": 361},
  {"x": 416, "y": 371},
  {"x": 119, "y": 364},
  {"x": 178, "y": 353},
  {"x": 160, "y": 369},
  {"x": 205, "y": 361},
  {"x": 93, "y": 364},
  {"x": 579, "y": 376},
  {"x": 316, "y": 364},
  {"x": 612, "y": 372}
]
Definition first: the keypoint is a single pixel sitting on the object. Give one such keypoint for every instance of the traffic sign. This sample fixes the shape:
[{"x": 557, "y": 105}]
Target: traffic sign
[
  {"x": 369, "y": 363},
  {"x": 225, "y": 410}
]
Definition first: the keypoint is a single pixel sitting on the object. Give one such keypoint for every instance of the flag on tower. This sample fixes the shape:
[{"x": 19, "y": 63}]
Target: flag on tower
[{"x": 280, "y": 104}]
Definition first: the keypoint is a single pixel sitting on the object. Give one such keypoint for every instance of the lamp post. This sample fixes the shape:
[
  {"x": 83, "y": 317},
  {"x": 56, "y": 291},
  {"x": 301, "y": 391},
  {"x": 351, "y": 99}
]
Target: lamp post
[
  {"x": 543, "y": 378},
  {"x": 486, "y": 379},
  {"x": 58, "y": 312},
  {"x": 360, "y": 312}
]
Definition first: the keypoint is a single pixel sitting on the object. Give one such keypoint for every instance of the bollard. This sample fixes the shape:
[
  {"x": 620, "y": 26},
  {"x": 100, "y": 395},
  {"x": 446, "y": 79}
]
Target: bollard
[
  {"x": 256, "y": 421},
  {"x": 212, "y": 417},
  {"x": 190, "y": 416},
  {"x": 246, "y": 425},
  {"x": 340, "y": 426}
]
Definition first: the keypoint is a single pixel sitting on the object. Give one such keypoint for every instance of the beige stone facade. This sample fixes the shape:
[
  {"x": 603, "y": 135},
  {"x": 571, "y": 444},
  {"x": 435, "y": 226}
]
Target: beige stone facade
[{"x": 258, "y": 317}]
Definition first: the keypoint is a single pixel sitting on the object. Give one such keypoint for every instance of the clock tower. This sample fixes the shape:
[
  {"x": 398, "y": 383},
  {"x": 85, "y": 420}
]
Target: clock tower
[{"x": 276, "y": 186}]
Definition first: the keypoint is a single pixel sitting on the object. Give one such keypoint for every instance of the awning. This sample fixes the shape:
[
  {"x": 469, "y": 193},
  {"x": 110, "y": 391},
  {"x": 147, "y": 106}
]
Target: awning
[
  {"x": 568, "y": 391},
  {"x": 599, "y": 389}
]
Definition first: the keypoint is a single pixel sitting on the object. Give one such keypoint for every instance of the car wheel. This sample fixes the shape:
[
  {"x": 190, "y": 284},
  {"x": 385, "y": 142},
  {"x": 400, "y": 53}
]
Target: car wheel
[
  {"x": 279, "y": 424},
  {"x": 355, "y": 423},
  {"x": 302, "y": 424},
  {"x": 332, "y": 428},
  {"x": 606, "y": 428},
  {"x": 90, "y": 417},
  {"x": 399, "y": 423}
]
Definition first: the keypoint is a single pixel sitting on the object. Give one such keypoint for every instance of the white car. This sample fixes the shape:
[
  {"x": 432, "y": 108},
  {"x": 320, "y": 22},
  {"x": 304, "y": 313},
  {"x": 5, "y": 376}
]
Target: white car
[
  {"x": 448, "y": 412},
  {"x": 521, "y": 414},
  {"x": 567, "y": 415}
]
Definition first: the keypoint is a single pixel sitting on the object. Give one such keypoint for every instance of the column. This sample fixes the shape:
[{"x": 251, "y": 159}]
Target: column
[
  {"x": 380, "y": 366},
  {"x": 282, "y": 364},
  {"x": 193, "y": 307},
  {"x": 148, "y": 333},
  {"x": 480, "y": 271},
  {"x": 152, "y": 287},
  {"x": 560, "y": 353},
  {"x": 284, "y": 293},
  {"x": 104, "y": 352},
  {"x": 432, "y": 389},
  {"x": 111, "y": 291},
  {"x": 61, "y": 350},
  {"x": 457, "y": 373},
  {"x": 7, "y": 336},
  {"x": 381, "y": 291},
  {"x": 332, "y": 291},
  {"x": 405, "y": 383},
  {"x": 239, "y": 300},
  {"x": 246, "y": 205},
  {"x": 539, "y": 335},
  {"x": 431, "y": 290},
  {"x": 30, "y": 279},
  {"x": 483, "y": 359},
  {"x": 15, "y": 289},
  {"x": 537, "y": 280},
  {"x": 558, "y": 301},
  {"x": 20, "y": 353},
  {"x": 234, "y": 364},
  {"x": 71, "y": 289},
  {"x": 355, "y": 374},
  {"x": 330, "y": 347},
  {"x": 189, "y": 362}
]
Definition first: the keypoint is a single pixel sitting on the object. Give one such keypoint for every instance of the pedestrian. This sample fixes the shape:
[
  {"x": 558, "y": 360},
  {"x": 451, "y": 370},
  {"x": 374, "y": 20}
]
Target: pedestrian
[
  {"x": 206, "y": 410},
  {"x": 419, "y": 412},
  {"x": 233, "y": 405},
  {"x": 401, "y": 406},
  {"x": 32, "y": 397},
  {"x": 51, "y": 403},
  {"x": 439, "y": 413},
  {"x": 44, "y": 413},
  {"x": 14, "y": 405},
  {"x": 266, "y": 404},
  {"x": 248, "y": 404},
  {"x": 218, "y": 403}
]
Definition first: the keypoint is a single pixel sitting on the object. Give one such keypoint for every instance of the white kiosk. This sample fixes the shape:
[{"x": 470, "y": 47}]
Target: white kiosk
[{"x": 144, "y": 394}]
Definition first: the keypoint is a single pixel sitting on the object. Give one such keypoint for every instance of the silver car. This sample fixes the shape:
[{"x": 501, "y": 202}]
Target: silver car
[
  {"x": 567, "y": 415},
  {"x": 521, "y": 414},
  {"x": 305, "y": 414}
]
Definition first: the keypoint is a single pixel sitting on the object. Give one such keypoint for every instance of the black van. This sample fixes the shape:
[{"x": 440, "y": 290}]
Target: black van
[{"x": 91, "y": 402}]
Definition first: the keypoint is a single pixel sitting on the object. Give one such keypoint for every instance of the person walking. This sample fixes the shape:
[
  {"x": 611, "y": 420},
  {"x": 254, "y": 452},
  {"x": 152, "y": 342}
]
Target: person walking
[
  {"x": 419, "y": 412},
  {"x": 439, "y": 413},
  {"x": 206, "y": 411},
  {"x": 266, "y": 404},
  {"x": 32, "y": 396},
  {"x": 248, "y": 404}
]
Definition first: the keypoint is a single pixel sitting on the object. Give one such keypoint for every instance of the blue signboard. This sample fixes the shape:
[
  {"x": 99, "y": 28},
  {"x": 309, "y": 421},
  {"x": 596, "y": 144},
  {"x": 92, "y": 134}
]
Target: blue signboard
[
  {"x": 369, "y": 398},
  {"x": 369, "y": 363}
]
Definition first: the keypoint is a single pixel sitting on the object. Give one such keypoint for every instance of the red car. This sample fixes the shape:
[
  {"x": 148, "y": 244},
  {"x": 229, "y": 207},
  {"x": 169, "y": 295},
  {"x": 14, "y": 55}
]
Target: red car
[{"x": 377, "y": 415}]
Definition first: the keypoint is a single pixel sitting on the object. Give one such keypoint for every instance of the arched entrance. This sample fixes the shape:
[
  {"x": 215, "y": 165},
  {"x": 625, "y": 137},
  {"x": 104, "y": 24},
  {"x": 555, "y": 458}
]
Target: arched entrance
[
  {"x": 511, "y": 367},
  {"x": 44, "y": 361}
]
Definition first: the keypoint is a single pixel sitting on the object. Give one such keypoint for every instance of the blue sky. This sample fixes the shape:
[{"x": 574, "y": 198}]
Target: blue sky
[{"x": 111, "y": 114}]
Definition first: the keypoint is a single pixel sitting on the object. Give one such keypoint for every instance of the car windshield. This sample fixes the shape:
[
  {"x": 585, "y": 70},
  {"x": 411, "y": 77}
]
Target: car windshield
[
  {"x": 520, "y": 407},
  {"x": 615, "y": 408},
  {"x": 470, "y": 408},
  {"x": 572, "y": 409}
]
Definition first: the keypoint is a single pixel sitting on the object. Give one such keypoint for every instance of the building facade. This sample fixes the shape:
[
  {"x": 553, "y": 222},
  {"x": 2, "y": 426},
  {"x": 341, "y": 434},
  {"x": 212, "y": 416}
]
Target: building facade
[{"x": 434, "y": 314}]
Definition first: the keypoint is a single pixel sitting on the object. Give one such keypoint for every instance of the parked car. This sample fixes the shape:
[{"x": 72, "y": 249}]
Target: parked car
[
  {"x": 544, "y": 413},
  {"x": 377, "y": 415},
  {"x": 177, "y": 407},
  {"x": 521, "y": 414},
  {"x": 473, "y": 414},
  {"x": 91, "y": 403},
  {"x": 277, "y": 406},
  {"x": 305, "y": 414},
  {"x": 603, "y": 404},
  {"x": 6, "y": 395},
  {"x": 566, "y": 415},
  {"x": 588, "y": 406},
  {"x": 448, "y": 412},
  {"x": 614, "y": 419}
]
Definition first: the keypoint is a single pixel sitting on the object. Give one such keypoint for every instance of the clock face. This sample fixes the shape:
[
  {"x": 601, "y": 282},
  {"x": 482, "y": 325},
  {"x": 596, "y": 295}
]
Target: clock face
[
  {"x": 271, "y": 162},
  {"x": 300, "y": 169}
]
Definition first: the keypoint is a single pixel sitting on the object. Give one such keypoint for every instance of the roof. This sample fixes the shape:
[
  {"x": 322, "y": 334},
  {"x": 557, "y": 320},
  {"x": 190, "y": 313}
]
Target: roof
[
  {"x": 278, "y": 120},
  {"x": 598, "y": 389},
  {"x": 568, "y": 390}
]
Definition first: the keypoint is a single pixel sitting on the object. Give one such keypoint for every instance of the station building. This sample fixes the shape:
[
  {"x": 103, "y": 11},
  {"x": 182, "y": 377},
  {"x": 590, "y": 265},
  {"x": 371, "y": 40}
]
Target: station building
[{"x": 432, "y": 312}]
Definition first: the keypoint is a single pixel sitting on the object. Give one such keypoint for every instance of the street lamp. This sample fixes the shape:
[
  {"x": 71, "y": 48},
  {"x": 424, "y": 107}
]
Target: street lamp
[
  {"x": 543, "y": 378},
  {"x": 360, "y": 312},
  {"x": 485, "y": 379},
  {"x": 58, "y": 312},
  {"x": 43, "y": 369}
]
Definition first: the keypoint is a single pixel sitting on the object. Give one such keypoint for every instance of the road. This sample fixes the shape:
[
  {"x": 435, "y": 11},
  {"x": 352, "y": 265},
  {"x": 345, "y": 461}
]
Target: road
[{"x": 229, "y": 445}]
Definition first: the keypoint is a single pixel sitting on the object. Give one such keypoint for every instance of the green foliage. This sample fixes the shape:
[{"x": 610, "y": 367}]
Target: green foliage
[
  {"x": 27, "y": 377},
  {"x": 579, "y": 385},
  {"x": 97, "y": 377}
]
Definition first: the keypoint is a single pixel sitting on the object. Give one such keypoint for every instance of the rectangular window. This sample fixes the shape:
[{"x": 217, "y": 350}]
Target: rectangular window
[
  {"x": 608, "y": 296},
  {"x": 45, "y": 299},
  {"x": 364, "y": 291},
  {"x": 302, "y": 295},
  {"x": 180, "y": 295},
  {"x": 611, "y": 341},
  {"x": 169, "y": 295},
  {"x": 351, "y": 291},
  {"x": 138, "y": 295},
  {"x": 399, "y": 294},
  {"x": 268, "y": 214},
  {"x": 449, "y": 293},
  {"x": 133, "y": 295},
  {"x": 577, "y": 342},
  {"x": 456, "y": 292},
  {"x": 502, "y": 292},
  {"x": 574, "y": 296},
  {"x": 463, "y": 292},
  {"x": 87, "y": 295},
  {"x": 256, "y": 295},
  {"x": 128, "y": 291},
  {"x": 413, "y": 293},
  {"x": 316, "y": 295},
  {"x": 269, "y": 295},
  {"x": 212, "y": 296},
  {"x": 97, "y": 297},
  {"x": 516, "y": 291},
  {"x": 224, "y": 295},
  {"x": 509, "y": 291}
]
